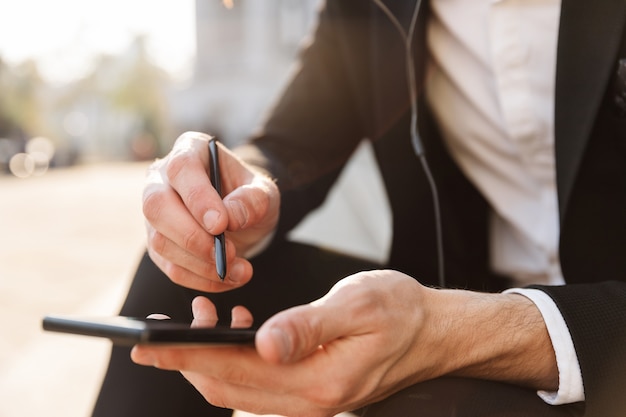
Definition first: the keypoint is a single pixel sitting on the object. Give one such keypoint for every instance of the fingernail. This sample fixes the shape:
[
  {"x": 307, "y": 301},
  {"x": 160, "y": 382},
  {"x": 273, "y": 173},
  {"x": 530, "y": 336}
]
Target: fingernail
[
  {"x": 158, "y": 316},
  {"x": 283, "y": 343},
  {"x": 239, "y": 212},
  {"x": 210, "y": 219}
]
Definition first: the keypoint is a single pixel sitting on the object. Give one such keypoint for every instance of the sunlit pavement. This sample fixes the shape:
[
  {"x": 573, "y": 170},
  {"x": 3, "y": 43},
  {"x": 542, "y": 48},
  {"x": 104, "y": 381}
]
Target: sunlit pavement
[{"x": 69, "y": 242}]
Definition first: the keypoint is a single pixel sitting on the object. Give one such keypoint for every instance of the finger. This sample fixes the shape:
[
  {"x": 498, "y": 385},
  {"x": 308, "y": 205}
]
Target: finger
[
  {"x": 204, "y": 313},
  {"x": 202, "y": 267},
  {"x": 187, "y": 172},
  {"x": 239, "y": 365},
  {"x": 219, "y": 373},
  {"x": 297, "y": 332},
  {"x": 253, "y": 204},
  {"x": 166, "y": 213},
  {"x": 241, "y": 318},
  {"x": 240, "y": 268},
  {"x": 191, "y": 358},
  {"x": 253, "y": 400},
  {"x": 279, "y": 341}
]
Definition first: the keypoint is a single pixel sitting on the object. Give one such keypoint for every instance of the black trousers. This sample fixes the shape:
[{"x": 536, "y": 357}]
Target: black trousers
[{"x": 287, "y": 274}]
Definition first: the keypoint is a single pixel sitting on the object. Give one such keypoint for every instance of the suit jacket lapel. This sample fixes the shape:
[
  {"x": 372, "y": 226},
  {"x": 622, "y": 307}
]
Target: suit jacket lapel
[{"x": 590, "y": 34}]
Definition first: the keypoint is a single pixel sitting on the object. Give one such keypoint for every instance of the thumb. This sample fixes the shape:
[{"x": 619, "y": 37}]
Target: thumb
[{"x": 297, "y": 332}]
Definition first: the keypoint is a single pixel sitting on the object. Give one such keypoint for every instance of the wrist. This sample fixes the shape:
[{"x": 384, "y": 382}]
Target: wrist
[{"x": 492, "y": 336}]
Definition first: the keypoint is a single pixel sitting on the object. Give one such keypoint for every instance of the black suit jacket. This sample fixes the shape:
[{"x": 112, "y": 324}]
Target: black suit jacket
[{"x": 350, "y": 84}]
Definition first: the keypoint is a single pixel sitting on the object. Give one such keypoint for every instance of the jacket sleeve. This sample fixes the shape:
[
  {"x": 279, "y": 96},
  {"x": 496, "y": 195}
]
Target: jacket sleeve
[
  {"x": 596, "y": 318},
  {"x": 316, "y": 124}
]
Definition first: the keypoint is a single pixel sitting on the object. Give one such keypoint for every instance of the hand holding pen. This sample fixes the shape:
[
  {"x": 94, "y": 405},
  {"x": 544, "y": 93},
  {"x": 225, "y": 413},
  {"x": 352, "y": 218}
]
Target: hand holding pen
[{"x": 203, "y": 216}]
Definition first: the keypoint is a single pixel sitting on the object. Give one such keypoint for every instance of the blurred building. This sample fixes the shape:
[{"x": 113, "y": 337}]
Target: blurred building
[{"x": 243, "y": 57}]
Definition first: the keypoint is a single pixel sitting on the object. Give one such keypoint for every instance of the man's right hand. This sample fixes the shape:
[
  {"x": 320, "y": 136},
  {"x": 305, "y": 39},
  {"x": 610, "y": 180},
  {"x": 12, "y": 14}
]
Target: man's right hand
[{"x": 184, "y": 212}]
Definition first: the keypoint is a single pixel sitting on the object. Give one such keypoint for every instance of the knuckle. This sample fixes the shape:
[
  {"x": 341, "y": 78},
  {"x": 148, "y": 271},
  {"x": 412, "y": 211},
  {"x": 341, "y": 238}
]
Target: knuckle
[
  {"x": 157, "y": 242},
  {"x": 192, "y": 240},
  {"x": 259, "y": 203},
  {"x": 256, "y": 203},
  {"x": 195, "y": 193},
  {"x": 153, "y": 202},
  {"x": 176, "y": 274},
  {"x": 365, "y": 300},
  {"x": 177, "y": 163},
  {"x": 191, "y": 135}
]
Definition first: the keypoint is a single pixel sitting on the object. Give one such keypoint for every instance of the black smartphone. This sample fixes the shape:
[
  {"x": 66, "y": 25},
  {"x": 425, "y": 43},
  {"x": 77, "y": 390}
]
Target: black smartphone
[{"x": 129, "y": 331}]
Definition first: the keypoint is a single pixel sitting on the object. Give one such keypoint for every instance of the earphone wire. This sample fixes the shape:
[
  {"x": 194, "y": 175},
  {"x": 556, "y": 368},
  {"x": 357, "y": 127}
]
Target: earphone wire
[{"x": 407, "y": 38}]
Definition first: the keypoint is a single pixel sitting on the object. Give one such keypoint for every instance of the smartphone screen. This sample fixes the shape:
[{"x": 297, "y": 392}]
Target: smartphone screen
[{"x": 129, "y": 331}]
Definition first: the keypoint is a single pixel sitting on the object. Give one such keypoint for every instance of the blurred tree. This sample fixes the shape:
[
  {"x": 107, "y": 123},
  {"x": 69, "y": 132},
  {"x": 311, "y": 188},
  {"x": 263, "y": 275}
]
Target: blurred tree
[{"x": 20, "y": 99}]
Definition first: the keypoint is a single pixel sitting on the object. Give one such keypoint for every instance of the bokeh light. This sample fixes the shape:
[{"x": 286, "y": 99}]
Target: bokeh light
[
  {"x": 41, "y": 163},
  {"x": 41, "y": 145},
  {"x": 22, "y": 165},
  {"x": 35, "y": 161},
  {"x": 76, "y": 123}
]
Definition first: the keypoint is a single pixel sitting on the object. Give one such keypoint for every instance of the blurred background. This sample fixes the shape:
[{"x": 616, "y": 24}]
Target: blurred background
[
  {"x": 90, "y": 92},
  {"x": 100, "y": 80}
]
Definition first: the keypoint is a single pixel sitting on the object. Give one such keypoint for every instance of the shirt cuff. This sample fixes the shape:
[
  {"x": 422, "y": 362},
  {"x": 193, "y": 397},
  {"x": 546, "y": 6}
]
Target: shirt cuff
[{"x": 571, "y": 387}]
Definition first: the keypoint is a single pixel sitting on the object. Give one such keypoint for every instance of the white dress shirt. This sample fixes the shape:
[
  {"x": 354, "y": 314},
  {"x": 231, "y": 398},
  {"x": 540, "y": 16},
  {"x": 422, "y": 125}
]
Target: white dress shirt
[{"x": 490, "y": 84}]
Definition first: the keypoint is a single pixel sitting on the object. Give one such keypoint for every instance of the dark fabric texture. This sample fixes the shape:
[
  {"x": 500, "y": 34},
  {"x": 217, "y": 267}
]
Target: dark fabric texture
[{"x": 461, "y": 397}]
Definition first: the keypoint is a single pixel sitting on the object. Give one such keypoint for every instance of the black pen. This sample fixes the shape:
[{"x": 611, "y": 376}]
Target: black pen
[{"x": 216, "y": 182}]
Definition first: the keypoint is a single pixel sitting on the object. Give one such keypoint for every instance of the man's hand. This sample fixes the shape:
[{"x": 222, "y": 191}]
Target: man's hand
[
  {"x": 373, "y": 334},
  {"x": 184, "y": 212}
]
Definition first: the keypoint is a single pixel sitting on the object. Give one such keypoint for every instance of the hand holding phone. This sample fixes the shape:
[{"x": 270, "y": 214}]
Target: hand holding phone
[{"x": 129, "y": 331}]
